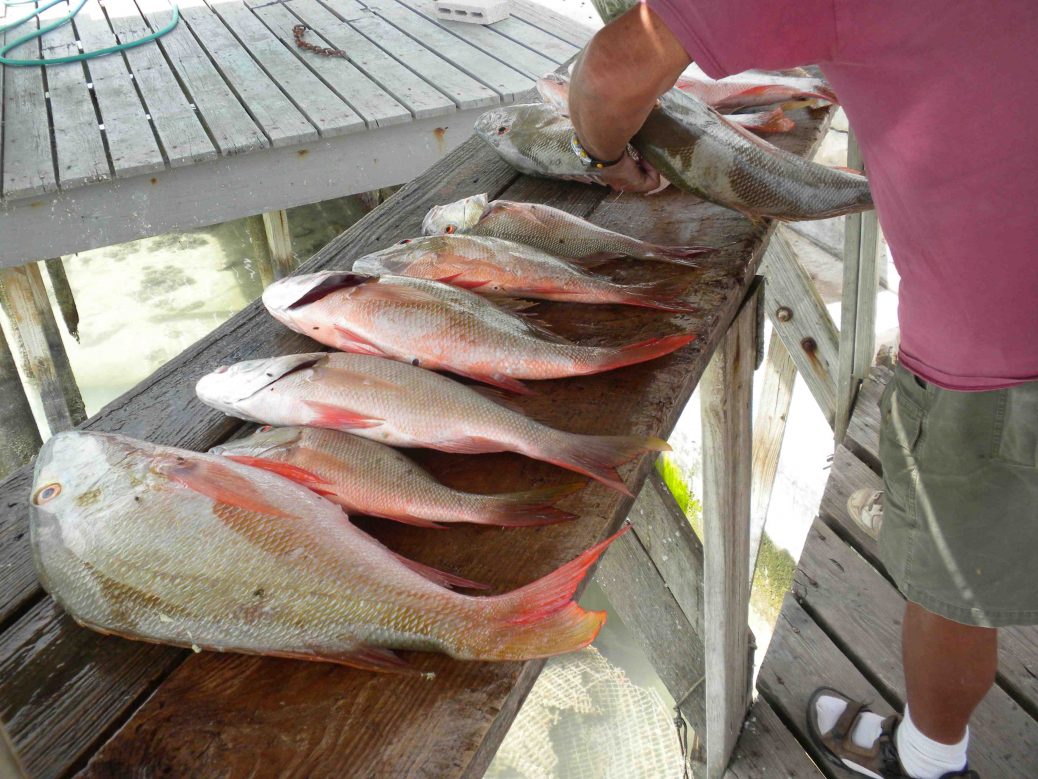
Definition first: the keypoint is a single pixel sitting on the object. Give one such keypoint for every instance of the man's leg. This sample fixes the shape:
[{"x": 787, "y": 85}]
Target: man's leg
[{"x": 949, "y": 667}]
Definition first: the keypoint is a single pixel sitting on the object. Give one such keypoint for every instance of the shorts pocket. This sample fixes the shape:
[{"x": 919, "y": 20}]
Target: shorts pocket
[
  {"x": 1016, "y": 426},
  {"x": 901, "y": 431}
]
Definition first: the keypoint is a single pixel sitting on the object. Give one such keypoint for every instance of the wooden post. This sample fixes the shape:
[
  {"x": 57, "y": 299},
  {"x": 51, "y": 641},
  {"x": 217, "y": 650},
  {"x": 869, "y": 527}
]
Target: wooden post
[
  {"x": 275, "y": 224},
  {"x": 727, "y": 397},
  {"x": 802, "y": 322},
  {"x": 261, "y": 261},
  {"x": 33, "y": 321},
  {"x": 21, "y": 437},
  {"x": 858, "y": 308},
  {"x": 769, "y": 429},
  {"x": 63, "y": 294}
]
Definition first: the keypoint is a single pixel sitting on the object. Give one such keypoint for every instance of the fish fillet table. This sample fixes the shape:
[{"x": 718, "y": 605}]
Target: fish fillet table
[
  {"x": 192, "y": 130},
  {"x": 76, "y": 702}
]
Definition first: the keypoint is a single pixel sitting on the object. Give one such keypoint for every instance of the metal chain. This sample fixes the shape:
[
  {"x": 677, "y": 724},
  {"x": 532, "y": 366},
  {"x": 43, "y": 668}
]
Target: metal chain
[{"x": 324, "y": 51}]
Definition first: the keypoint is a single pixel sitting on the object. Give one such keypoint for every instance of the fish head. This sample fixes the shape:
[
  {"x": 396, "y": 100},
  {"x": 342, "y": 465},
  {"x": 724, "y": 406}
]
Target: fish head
[
  {"x": 229, "y": 385},
  {"x": 261, "y": 443},
  {"x": 287, "y": 298},
  {"x": 493, "y": 126},
  {"x": 534, "y": 139},
  {"x": 554, "y": 91},
  {"x": 456, "y": 217},
  {"x": 395, "y": 259}
]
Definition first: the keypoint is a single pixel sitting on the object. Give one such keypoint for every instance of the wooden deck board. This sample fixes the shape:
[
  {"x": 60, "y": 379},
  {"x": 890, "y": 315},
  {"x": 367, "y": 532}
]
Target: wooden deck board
[
  {"x": 536, "y": 38},
  {"x": 184, "y": 140},
  {"x": 81, "y": 156},
  {"x": 767, "y": 750},
  {"x": 232, "y": 128},
  {"x": 574, "y": 33},
  {"x": 132, "y": 144}
]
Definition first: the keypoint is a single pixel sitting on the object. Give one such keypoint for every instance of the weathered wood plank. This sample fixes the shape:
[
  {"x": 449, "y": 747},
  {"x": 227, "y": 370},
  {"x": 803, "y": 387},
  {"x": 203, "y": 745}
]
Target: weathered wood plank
[
  {"x": 10, "y": 764},
  {"x": 801, "y": 658},
  {"x": 767, "y": 750},
  {"x": 532, "y": 37},
  {"x": 27, "y": 158},
  {"x": 1018, "y": 646},
  {"x": 863, "y": 431},
  {"x": 531, "y": 62},
  {"x": 132, "y": 144},
  {"x": 727, "y": 398},
  {"x": 184, "y": 140},
  {"x": 850, "y": 600},
  {"x": 322, "y": 106},
  {"x": 25, "y": 299},
  {"x": 81, "y": 156},
  {"x": 639, "y": 596},
  {"x": 368, "y": 99},
  {"x": 279, "y": 239},
  {"x": 801, "y": 320},
  {"x": 63, "y": 295},
  {"x": 505, "y": 81},
  {"x": 769, "y": 430},
  {"x": 420, "y": 98},
  {"x": 21, "y": 438},
  {"x": 463, "y": 89},
  {"x": 552, "y": 22},
  {"x": 232, "y": 128}
]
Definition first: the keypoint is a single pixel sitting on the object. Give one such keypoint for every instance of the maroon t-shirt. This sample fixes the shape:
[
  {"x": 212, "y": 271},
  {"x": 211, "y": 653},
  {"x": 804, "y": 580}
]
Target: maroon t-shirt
[{"x": 943, "y": 99}]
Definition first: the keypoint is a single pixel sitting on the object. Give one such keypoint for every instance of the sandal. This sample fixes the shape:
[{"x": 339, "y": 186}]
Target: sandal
[{"x": 880, "y": 761}]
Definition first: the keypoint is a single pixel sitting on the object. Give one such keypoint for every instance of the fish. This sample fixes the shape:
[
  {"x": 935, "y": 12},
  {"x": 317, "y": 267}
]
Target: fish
[
  {"x": 499, "y": 267},
  {"x": 366, "y": 477},
  {"x": 554, "y": 91},
  {"x": 401, "y": 405},
  {"x": 441, "y": 327},
  {"x": 166, "y": 545},
  {"x": 731, "y": 94},
  {"x": 697, "y": 150},
  {"x": 551, "y": 230}
]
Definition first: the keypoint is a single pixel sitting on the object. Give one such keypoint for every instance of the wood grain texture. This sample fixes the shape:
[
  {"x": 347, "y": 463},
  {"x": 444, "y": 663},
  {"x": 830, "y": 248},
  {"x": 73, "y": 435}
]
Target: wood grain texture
[
  {"x": 215, "y": 713},
  {"x": 727, "y": 397},
  {"x": 852, "y": 601},
  {"x": 767, "y": 750},
  {"x": 575, "y": 33},
  {"x": 21, "y": 438}
]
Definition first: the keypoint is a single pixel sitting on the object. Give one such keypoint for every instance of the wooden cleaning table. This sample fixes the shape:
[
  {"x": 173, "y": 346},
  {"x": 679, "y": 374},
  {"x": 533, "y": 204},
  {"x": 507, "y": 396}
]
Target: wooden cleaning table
[{"x": 73, "y": 700}]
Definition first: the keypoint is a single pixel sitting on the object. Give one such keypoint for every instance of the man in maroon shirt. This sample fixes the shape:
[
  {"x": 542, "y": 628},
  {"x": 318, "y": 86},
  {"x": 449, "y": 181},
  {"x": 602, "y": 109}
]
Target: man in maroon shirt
[{"x": 955, "y": 196}]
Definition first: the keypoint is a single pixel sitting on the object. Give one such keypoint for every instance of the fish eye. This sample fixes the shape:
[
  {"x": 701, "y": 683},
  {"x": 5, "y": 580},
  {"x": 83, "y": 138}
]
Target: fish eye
[
  {"x": 266, "y": 428},
  {"x": 502, "y": 130},
  {"x": 46, "y": 494},
  {"x": 406, "y": 240},
  {"x": 450, "y": 229}
]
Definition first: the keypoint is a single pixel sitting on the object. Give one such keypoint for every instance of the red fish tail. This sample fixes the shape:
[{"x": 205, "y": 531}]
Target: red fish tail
[
  {"x": 598, "y": 456},
  {"x": 658, "y": 296},
  {"x": 542, "y": 619},
  {"x": 678, "y": 255},
  {"x": 640, "y": 352},
  {"x": 526, "y": 509}
]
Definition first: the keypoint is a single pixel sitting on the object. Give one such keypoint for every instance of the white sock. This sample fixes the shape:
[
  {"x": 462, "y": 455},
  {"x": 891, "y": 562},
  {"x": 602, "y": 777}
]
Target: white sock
[
  {"x": 924, "y": 758},
  {"x": 866, "y": 729}
]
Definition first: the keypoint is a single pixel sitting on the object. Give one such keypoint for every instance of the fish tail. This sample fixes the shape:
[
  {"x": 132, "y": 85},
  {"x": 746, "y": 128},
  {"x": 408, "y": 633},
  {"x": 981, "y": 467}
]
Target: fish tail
[
  {"x": 598, "y": 456},
  {"x": 657, "y": 296},
  {"x": 526, "y": 509},
  {"x": 542, "y": 619},
  {"x": 678, "y": 255},
  {"x": 640, "y": 352}
]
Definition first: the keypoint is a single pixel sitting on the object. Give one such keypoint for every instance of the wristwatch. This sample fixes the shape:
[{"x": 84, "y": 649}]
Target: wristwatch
[{"x": 589, "y": 161}]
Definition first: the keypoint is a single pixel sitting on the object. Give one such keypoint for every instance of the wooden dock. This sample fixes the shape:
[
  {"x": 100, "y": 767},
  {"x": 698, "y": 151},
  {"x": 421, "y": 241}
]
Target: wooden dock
[{"x": 840, "y": 626}]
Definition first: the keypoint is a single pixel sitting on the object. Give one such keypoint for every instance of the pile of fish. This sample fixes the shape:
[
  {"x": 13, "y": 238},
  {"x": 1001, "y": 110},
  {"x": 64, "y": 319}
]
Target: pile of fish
[
  {"x": 693, "y": 146},
  {"x": 250, "y": 548}
]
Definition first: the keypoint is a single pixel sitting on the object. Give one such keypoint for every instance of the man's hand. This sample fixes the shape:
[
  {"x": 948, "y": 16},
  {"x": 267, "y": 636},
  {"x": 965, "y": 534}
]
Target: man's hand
[{"x": 630, "y": 175}]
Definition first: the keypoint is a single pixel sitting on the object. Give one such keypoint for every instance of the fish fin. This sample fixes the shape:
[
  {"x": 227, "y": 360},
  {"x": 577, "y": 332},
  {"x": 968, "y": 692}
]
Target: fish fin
[
  {"x": 456, "y": 280},
  {"x": 542, "y": 619},
  {"x": 220, "y": 483},
  {"x": 498, "y": 380},
  {"x": 330, "y": 283},
  {"x": 845, "y": 169},
  {"x": 362, "y": 656},
  {"x": 642, "y": 351},
  {"x": 530, "y": 507},
  {"x": 655, "y": 296},
  {"x": 437, "y": 576},
  {"x": 598, "y": 456},
  {"x": 474, "y": 444},
  {"x": 336, "y": 418},
  {"x": 352, "y": 342},
  {"x": 678, "y": 255},
  {"x": 774, "y": 121},
  {"x": 515, "y": 305},
  {"x": 292, "y": 472},
  {"x": 496, "y": 395}
]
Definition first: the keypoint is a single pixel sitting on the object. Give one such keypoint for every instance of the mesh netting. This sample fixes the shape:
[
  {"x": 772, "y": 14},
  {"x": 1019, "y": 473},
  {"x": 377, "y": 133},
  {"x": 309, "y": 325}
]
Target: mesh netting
[{"x": 584, "y": 719}]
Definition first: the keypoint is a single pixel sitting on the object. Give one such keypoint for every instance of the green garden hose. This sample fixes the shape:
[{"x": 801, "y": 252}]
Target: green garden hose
[{"x": 5, "y": 60}]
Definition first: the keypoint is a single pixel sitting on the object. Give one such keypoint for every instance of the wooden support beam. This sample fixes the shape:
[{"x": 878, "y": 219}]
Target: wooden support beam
[
  {"x": 726, "y": 397},
  {"x": 769, "y": 429},
  {"x": 261, "y": 261},
  {"x": 279, "y": 239},
  {"x": 63, "y": 294},
  {"x": 27, "y": 305},
  {"x": 21, "y": 437},
  {"x": 802, "y": 322}
]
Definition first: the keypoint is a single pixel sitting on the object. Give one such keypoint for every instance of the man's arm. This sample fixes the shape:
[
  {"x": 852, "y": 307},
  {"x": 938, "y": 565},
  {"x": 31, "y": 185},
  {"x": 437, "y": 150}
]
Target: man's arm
[{"x": 617, "y": 79}]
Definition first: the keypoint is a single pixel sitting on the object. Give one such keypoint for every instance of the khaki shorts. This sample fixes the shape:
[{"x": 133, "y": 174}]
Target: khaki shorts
[{"x": 960, "y": 513}]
